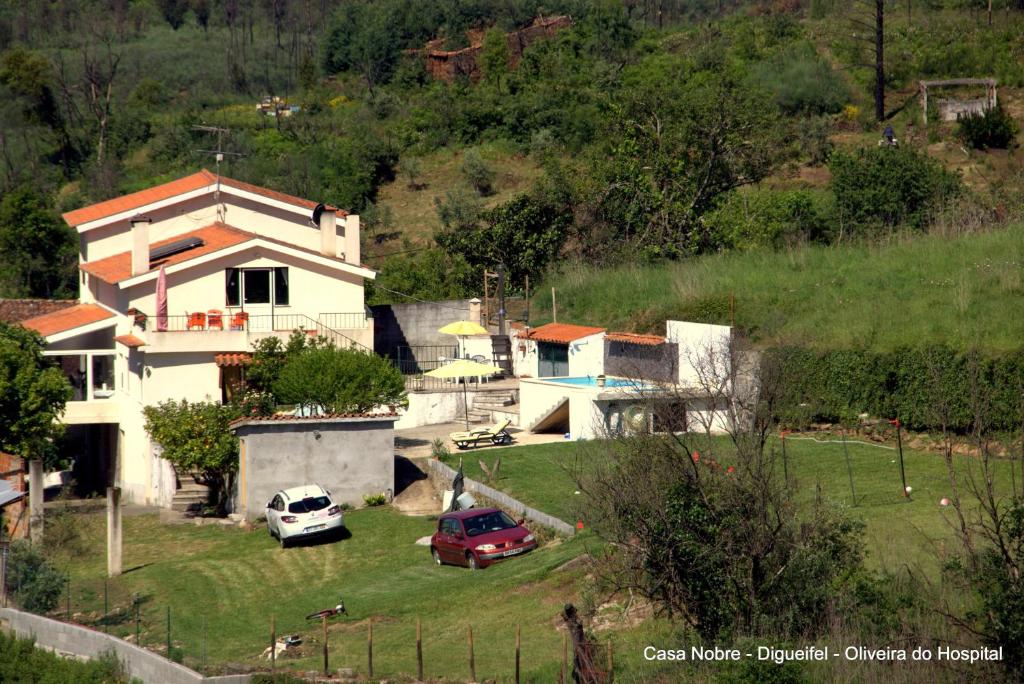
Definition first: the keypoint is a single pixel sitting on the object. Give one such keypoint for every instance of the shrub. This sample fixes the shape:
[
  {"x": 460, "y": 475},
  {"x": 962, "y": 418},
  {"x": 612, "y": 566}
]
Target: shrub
[
  {"x": 477, "y": 172},
  {"x": 375, "y": 499},
  {"x": 887, "y": 186},
  {"x": 802, "y": 82},
  {"x": 37, "y": 584},
  {"x": 340, "y": 380},
  {"x": 771, "y": 218},
  {"x": 21, "y": 661},
  {"x": 995, "y": 128}
]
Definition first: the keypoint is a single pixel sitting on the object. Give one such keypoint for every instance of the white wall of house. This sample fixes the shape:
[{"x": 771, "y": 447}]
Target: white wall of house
[
  {"x": 586, "y": 356},
  {"x": 524, "y": 355},
  {"x": 704, "y": 351}
]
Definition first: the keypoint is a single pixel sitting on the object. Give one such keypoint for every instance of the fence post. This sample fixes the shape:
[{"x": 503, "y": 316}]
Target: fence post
[
  {"x": 369, "y": 648},
  {"x": 137, "y": 605},
  {"x": 169, "y": 633},
  {"x": 326, "y": 667},
  {"x": 106, "y": 602},
  {"x": 419, "y": 651},
  {"x": 565, "y": 660},
  {"x": 472, "y": 661},
  {"x": 273, "y": 642},
  {"x": 518, "y": 644},
  {"x": 611, "y": 664}
]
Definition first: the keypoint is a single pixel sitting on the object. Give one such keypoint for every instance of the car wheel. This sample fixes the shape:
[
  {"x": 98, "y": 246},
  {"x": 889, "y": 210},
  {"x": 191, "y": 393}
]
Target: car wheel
[
  {"x": 283, "y": 540},
  {"x": 436, "y": 555},
  {"x": 472, "y": 562}
]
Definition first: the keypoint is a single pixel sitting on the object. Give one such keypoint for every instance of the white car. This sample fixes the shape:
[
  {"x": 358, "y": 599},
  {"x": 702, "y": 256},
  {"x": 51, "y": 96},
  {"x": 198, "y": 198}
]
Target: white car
[{"x": 302, "y": 512}]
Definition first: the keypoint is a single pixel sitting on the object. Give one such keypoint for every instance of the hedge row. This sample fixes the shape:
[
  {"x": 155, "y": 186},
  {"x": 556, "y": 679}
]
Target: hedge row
[{"x": 922, "y": 387}]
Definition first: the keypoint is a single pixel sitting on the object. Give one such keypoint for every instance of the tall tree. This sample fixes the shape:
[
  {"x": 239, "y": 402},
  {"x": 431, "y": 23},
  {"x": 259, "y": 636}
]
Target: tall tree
[
  {"x": 37, "y": 252},
  {"x": 32, "y": 396}
]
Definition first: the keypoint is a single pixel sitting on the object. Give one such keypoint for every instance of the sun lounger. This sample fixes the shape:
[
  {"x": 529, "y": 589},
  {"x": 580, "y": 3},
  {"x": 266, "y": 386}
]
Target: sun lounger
[{"x": 496, "y": 434}]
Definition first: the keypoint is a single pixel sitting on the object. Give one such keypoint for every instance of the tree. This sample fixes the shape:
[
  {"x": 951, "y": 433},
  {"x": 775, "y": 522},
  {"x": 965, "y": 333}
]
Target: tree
[
  {"x": 677, "y": 143},
  {"x": 339, "y": 380},
  {"x": 36, "y": 583},
  {"x": 196, "y": 437},
  {"x": 32, "y": 396},
  {"x": 201, "y": 9},
  {"x": 38, "y": 253},
  {"x": 494, "y": 57},
  {"x": 173, "y": 12},
  {"x": 477, "y": 172},
  {"x": 525, "y": 234}
]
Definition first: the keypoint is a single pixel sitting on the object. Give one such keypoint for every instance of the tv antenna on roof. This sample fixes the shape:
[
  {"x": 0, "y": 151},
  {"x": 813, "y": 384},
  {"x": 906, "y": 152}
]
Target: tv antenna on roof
[{"x": 218, "y": 157}]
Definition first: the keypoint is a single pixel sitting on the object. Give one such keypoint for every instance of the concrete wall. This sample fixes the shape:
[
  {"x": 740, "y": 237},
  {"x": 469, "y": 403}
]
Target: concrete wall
[
  {"x": 704, "y": 352},
  {"x": 586, "y": 356},
  {"x": 82, "y": 642},
  {"x": 431, "y": 408},
  {"x": 524, "y": 355},
  {"x": 349, "y": 456},
  {"x": 416, "y": 324},
  {"x": 441, "y": 475}
]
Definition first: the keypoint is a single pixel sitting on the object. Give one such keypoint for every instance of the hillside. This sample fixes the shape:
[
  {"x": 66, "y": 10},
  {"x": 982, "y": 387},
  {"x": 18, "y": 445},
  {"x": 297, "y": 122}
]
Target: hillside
[{"x": 912, "y": 291}]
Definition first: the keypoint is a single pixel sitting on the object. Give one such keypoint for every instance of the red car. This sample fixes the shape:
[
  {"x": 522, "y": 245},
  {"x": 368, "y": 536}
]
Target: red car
[{"x": 478, "y": 537}]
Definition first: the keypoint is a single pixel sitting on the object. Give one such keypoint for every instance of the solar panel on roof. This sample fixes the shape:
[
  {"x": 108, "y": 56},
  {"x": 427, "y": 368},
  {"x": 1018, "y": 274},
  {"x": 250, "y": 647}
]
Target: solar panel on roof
[{"x": 175, "y": 247}]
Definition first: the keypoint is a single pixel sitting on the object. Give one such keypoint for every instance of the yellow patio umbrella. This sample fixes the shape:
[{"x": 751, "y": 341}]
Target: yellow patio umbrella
[
  {"x": 463, "y": 368},
  {"x": 463, "y": 328}
]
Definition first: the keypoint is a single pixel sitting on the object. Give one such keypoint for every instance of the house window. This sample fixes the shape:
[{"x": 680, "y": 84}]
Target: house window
[
  {"x": 281, "y": 286},
  {"x": 256, "y": 286},
  {"x": 234, "y": 293}
]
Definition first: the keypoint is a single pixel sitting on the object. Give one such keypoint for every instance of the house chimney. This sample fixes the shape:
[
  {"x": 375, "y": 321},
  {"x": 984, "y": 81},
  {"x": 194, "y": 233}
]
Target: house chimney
[
  {"x": 352, "y": 254},
  {"x": 474, "y": 310},
  {"x": 140, "y": 244},
  {"x": 329, "y": 233}
]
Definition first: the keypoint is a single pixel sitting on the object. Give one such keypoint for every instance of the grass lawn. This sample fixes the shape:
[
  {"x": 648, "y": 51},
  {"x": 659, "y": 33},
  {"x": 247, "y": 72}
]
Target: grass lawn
[
  {"x": 230, "y": 582},
  {"x": 910, "y": 292},
  {"x": 898, "y": 530}
]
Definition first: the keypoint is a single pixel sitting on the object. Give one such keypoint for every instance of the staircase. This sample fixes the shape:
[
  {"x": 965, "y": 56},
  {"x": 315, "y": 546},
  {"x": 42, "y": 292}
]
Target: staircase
[
  {"x": 191, "y": 496},
  {"x": 492, "y": 406}
]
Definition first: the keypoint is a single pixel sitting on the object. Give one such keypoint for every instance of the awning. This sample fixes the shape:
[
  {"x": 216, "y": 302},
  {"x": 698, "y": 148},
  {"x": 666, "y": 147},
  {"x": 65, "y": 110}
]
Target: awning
[{"x": 130, "y": 341}]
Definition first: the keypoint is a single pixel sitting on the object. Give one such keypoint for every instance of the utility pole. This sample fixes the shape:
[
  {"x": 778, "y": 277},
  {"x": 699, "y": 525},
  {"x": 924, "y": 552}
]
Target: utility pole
[
  {"x": 501, "y": 299},
  {"x": 218, "y": 157}
]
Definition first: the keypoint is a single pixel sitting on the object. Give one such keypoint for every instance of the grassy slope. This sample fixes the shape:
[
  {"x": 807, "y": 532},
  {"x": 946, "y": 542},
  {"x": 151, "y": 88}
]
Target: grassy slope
[
  {"x": 920, "y": 290},
  {"x": 541, "y": 477}
]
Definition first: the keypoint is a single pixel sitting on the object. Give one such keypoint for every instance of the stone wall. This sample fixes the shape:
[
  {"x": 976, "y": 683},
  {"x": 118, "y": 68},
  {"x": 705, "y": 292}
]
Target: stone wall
[{"x": 82, "y": 642}]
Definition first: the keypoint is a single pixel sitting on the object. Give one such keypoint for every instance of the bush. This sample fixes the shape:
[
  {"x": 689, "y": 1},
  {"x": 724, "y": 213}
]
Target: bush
[
  {"x": 21, "y": 661},
  {"x": 477, "y": 172},
  {"x": 773, "y": 218},
  {"x": 888, "y": 187},
  {"x": 375, "y": 499},
  {"x": 995, "y": 128},
  {"x": 802, "y": 82},
  {"x": 340, "y": 380},
  {"x": 37, "y": 584}
]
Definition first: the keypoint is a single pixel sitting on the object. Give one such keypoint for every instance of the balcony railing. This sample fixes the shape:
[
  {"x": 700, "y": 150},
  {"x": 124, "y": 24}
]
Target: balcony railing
[
  {"x": 203, "y": 321},
  {"x": 90, "y": 373}
]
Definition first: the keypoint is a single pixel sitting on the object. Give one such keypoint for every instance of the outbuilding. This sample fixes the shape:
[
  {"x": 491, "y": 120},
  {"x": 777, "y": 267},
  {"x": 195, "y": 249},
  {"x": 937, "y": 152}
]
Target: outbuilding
[{"x": 351, "y": 455}]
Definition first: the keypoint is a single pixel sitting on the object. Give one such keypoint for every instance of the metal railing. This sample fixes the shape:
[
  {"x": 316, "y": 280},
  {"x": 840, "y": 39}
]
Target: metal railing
[{"x": 357, "y": 320}]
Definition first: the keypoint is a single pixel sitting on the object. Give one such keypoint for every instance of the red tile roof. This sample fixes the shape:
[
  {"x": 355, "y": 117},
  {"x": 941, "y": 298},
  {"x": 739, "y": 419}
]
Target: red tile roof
[
  {"x": 636, "y": 338},
  {"x": 17, "y": 310},
  {"x": 562, "y": 333},
  {"x": 67, "y": 319},
  {"x": 240, "y": 359},
  {"x": 130, "y": 340},
  {"x": 215, "y": 237},
  {"x": 196, "y": 181}
]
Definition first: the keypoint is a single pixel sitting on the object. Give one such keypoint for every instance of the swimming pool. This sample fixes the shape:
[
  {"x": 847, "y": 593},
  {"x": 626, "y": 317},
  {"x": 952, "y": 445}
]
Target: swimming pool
[{"x": 591, "y": 381}]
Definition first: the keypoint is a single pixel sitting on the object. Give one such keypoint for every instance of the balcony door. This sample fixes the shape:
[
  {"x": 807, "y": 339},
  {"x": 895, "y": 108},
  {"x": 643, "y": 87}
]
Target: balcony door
[{"x": 257, "y": 300}]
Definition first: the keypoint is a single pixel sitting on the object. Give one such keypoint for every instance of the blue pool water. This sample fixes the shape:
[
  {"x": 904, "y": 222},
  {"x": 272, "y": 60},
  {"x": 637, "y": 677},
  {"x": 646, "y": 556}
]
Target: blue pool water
[{"x": 591, "y": 381}]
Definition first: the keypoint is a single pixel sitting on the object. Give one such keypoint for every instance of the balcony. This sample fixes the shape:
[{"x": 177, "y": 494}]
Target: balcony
[
  {"x": 235, "y": 330},
  {"x": 91, "y": 376}
]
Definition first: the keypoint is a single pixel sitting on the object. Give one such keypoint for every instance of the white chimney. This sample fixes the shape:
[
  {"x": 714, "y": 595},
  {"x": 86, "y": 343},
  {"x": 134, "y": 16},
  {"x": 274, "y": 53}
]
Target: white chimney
[
  {"x": 329, "y": 233},
  {"x": 140, "y": 244},
  {"x": 474, "y": 310},
  {"x": 352, "y": 254}
]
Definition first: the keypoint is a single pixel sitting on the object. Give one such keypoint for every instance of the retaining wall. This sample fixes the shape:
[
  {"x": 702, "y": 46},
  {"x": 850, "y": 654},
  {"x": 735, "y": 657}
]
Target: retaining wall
[
  {"x": 82, "y": 642},
  {"x": 443, "y": 475}
]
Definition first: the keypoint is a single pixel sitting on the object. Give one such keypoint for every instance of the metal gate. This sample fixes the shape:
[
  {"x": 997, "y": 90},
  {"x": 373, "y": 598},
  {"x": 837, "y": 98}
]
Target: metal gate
[{"x": 552, "y": 360}]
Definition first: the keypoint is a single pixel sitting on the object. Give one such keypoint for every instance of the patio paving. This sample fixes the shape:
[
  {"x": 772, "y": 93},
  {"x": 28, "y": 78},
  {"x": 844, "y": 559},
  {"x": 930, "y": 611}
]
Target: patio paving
[{"x": 415, "y": 442}]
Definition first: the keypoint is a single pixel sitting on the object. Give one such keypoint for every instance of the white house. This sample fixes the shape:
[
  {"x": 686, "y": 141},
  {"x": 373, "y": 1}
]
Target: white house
[{"x": 241, "y": 262}]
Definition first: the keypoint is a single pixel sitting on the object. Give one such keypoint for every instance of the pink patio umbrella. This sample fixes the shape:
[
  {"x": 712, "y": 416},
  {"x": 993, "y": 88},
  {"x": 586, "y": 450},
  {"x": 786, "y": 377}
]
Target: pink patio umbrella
[{"x": 161, "y": 301}]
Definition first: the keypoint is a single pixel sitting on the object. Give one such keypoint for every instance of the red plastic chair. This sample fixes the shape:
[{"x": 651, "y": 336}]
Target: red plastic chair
[
  {"x": 240, "y": 321},
  {"x": 215, "y": 319},
  {"x": 197, "y": 320}
]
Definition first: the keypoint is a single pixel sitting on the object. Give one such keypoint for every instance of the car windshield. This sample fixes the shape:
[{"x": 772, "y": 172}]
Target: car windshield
[
  {"x": 309, "y": 504},
  {"x": 488, "y": 522}
]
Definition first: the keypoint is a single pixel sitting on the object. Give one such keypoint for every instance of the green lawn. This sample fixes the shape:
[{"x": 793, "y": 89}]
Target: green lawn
[
  {"x": 912, "y": 291},
  {"x": 897, "y": 530},
  {"x": 232, "y": 582}
]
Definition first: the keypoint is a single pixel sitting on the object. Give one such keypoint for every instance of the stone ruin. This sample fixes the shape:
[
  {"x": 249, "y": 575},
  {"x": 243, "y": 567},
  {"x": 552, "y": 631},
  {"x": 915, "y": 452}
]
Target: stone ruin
[
  {"x": 952, "y": 109},
  {"x": 448, "y": 65}
]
